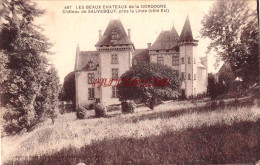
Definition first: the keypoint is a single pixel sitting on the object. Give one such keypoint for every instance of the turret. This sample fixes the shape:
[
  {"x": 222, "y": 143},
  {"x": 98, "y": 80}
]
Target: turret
[{"x": 188, "y": 59}]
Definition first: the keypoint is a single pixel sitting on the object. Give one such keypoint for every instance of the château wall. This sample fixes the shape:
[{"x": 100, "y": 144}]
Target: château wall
[{"x": 124, "y": 64}]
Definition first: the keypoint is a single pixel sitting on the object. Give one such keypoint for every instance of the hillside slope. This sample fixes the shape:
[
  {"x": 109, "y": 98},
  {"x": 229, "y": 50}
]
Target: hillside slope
[{"x": 68, "y": 131}]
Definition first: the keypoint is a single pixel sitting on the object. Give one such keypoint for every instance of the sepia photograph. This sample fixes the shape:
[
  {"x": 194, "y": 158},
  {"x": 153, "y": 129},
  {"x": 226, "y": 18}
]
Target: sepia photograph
[{"x": 121, "y": 82}]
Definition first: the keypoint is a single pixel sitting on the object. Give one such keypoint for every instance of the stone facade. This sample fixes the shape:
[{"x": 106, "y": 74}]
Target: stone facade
[{"x": 116, "y": 53}]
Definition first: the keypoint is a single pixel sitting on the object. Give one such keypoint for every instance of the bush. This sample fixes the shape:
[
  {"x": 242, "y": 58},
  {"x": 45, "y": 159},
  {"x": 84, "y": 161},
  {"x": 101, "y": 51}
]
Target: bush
[
  {"x": 148, "y": 83},
  {"x": 100, "y": 110},
  {"x": 91, "y": 106},
  {"x": 81, "y": 113},
  {"x": 214, "y": 105},
  {"x": 11, "y": 127},
  {"x": 235, "y": 103},
  {"x": 128, "y": 107},
  {"x": 66, "y": 108},
  {"x": 222, "y": 104}
]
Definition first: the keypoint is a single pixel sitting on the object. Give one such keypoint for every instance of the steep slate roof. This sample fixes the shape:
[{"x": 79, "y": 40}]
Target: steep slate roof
[
  {"x": 166, "y": 40},
  {"x": 141, "y": 55},
  {"x": 186, "y": 34},
  {"x": 84, "y": 57},
  {"x": 122, "y": 39}
]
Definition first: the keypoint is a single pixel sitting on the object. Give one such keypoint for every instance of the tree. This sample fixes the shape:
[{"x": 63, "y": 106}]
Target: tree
[
  {"x": 25, "y": 48},
  {"x": 69, "y": 89},
  {"x": 212, "y": 90},
  {"x": 233, "y": 29},
  {"x": 4, "y": 71},
  {"x": 47, "y": 101},
  {"x": 220, "y": 84},
  {"x": 130, "y": 88}
]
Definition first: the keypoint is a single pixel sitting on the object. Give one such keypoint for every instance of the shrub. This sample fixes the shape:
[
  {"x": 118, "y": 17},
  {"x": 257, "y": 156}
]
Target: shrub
[
  {"x": 100, "y": 110},
  {"x": 68, "y": 92},
  {"x": 149, "y": 82},
  {"x": 221, "y": 104},
  {"x": 214, "y": 105},
  {"x": 66, "y": 108},
  {"x": 128, "y": 107},
  {"x": 11, "y": 127},
  {"x": 235, "y": 103},
  {"x": 246, "y": 102},
  {"x": 91, "y": 107},
  {"x": 81, "y": 113}
]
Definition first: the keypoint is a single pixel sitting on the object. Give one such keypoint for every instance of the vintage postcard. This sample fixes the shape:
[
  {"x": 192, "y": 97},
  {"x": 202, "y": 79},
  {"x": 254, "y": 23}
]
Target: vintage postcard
[{"x": 129, "y": 82}]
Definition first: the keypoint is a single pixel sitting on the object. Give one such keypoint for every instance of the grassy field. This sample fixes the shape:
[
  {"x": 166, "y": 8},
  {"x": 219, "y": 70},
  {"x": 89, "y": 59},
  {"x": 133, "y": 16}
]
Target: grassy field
[{"x": 175, "y": 132}]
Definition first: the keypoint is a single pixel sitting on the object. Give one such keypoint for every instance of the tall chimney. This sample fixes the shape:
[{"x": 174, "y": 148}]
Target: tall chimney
[
  {"x": 129, "y": 33},
  {"x": 149, "y": 45},
  {"x": 100, "y": 34}
]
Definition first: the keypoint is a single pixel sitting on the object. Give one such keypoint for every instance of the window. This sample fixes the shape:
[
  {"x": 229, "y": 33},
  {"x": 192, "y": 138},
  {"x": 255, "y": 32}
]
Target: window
[
  {"x": 194, "y": 76},
  {"x": 91, "y": 65},
  {"x": 194, "y": 61},
  {"x": 188, "y": 76},
  {"x": 182, "y": 76},
  {"x": 114, "y": 59},
  {"x": 182, "y": 60},
  {"x": 90, "y": 78},
  {"x": 91, "y": 93},
  {"x": 175, "y": 61},
  {"x": 114, "y": 92},
  {"x": 188, "y": 60},
  {"x": 115, "y": 73},
  {"x": 160, "y": 59},
  {"x": 114, "y": 35}
]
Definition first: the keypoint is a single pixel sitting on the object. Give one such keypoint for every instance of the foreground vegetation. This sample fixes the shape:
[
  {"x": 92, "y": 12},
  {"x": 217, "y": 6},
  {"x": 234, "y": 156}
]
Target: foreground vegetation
[
  {"x": 215, "y": 144},
  {"x": 29, "y": 82},
  {"x": 176, "y": 132}
]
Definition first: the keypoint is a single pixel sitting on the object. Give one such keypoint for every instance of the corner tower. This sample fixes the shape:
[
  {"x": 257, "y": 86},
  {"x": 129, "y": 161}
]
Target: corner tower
[
  {"x": 188, "y": 60},
  {"x": 115, "y": 50}
]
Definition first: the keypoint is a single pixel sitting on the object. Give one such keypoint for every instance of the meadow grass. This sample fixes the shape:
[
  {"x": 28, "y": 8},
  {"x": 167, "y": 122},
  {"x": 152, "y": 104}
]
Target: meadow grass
[
  {"x": 237, "y": 143},
  {"x": 164, "y": 136}
]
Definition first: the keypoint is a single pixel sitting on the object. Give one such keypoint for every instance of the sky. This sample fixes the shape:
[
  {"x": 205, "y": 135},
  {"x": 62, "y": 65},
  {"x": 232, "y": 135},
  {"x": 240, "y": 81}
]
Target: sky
[{"x": 66, "y": 30}]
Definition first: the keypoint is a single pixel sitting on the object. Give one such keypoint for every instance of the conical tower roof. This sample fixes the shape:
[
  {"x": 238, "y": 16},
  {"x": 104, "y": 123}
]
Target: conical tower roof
[{"x": 186, "y": 34}]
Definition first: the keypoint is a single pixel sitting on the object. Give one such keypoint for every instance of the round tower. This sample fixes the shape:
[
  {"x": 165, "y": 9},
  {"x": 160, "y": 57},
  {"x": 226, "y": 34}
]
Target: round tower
[{"x": 188, "y": 60}]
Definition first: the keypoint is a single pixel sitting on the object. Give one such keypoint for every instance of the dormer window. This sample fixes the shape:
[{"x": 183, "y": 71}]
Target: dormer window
[
  {"x": 114, "y": 35},
  {"x": 91, "y": 64}
]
